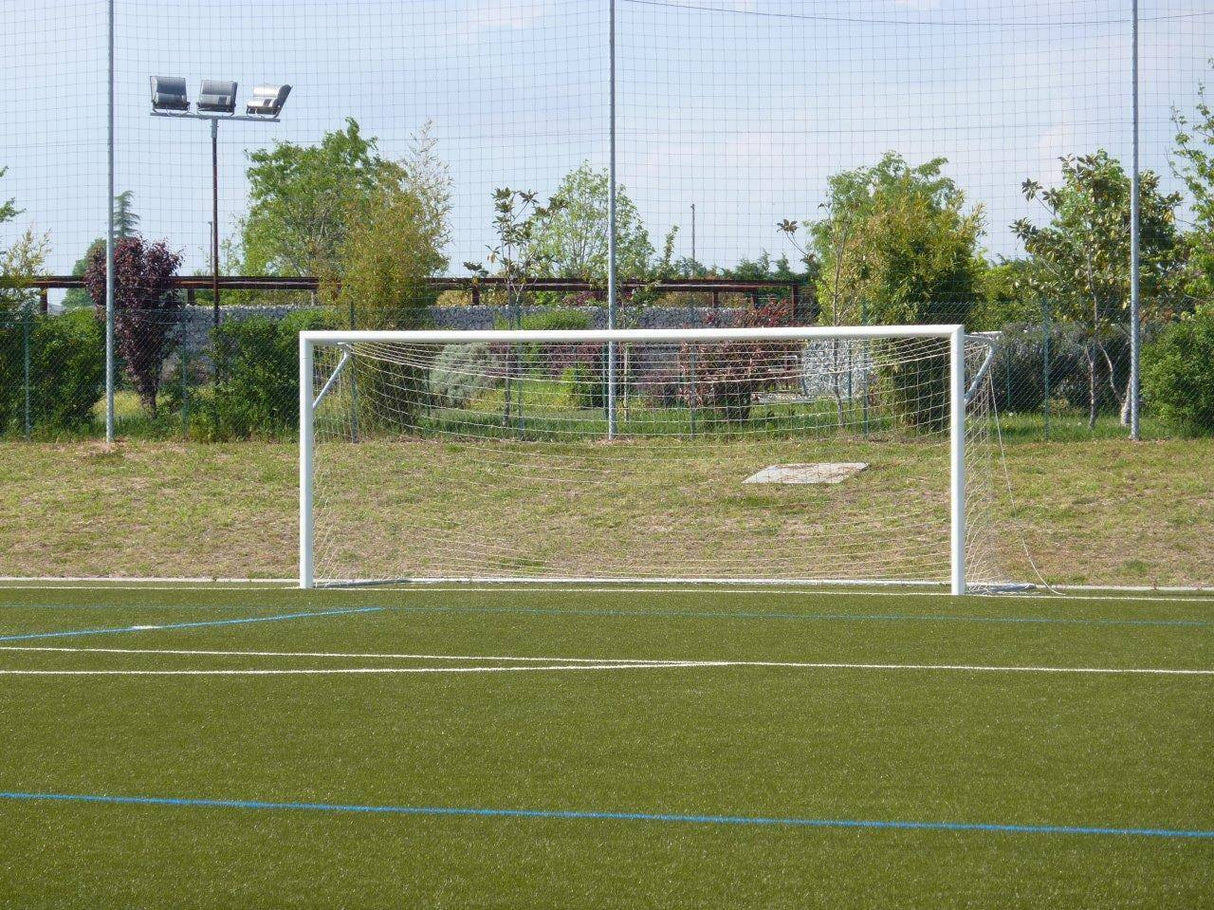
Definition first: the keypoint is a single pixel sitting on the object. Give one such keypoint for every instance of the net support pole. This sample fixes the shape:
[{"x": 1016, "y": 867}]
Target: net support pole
[
  {"x": 957, "y": 459},
  {"x": 109, "y": 241},
  {"x": 611, "y": 226},
  {"x": 215, "y": 220},
  {"x": 307, "y": 441},
  {"x": 1135, "y": 300}
]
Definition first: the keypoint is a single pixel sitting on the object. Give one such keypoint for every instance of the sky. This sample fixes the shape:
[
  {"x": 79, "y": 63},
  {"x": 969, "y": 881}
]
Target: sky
[{"x": 743, "y": 108}]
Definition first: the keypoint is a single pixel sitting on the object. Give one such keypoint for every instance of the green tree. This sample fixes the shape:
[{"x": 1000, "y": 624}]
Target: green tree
[
  {"x": 8, "y": 208},
  {"x": 303, "y": 198},
  {"x": 126, "y": 222},
  {"x": 392, "y": 248},
  {"x": 1004, "y": 296},
  {"x": 572, "y": 242},
  {"x": 1193, "y": 162},
  {"x": 518, "y": 218},
  {"x": 896, "y": 246},
  {"x": 23, "y": 260},
  {"x": 897, "y": 240},
  {"x": 1080, "y": 260}
]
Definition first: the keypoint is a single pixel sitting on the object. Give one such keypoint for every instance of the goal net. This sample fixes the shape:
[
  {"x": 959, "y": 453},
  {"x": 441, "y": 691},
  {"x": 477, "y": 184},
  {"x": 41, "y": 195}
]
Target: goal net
[{"x": 742, "y": 455}]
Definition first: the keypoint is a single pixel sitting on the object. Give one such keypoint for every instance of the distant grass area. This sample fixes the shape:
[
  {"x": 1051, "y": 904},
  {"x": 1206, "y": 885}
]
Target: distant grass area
[
  {"x": 1097, "y": 512},
  {"x": 1070, "y": 425},
  {"x": 857, "y": 744}
]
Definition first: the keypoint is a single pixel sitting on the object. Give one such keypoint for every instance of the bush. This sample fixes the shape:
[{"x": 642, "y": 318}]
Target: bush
[
  {"x": 12, "y": 375},
  {"x": 67, "y": 370},
  {"x": 461, "y": 372},
  {"x": 1178, "y": 374},
  {"x": 586, "y": 377},
  {"x": 257, "y": 362},
  {"x": 581, "y": 367},
  {"x": 727, "y": 375},
  {"x": 68, "y": 361},
  {"x": 557, "y": 321}
]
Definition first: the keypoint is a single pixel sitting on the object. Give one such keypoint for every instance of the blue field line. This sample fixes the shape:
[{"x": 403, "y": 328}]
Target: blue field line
[
  {"x": 811, "y": 617},
  {"x": 158, "y": 627},
  {"x": 584, "y": 815}
]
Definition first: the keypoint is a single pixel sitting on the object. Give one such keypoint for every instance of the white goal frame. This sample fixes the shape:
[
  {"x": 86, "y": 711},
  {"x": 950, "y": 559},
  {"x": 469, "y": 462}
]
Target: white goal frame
[{"x": 309, "y": 399}]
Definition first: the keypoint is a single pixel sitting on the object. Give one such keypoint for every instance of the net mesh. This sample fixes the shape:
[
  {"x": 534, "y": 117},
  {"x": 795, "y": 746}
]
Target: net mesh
[{"x": 824, "y": 459}]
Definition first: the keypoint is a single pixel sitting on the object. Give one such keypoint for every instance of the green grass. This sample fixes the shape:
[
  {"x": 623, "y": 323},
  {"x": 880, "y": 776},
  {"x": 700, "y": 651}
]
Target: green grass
[
  {"x": 1097, "y": 512},
  {"x": 787, "y": 742}
]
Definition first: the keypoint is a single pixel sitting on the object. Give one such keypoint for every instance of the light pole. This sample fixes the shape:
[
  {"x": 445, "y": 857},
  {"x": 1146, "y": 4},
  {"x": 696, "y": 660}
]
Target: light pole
[{"x": 216, "y": 101}]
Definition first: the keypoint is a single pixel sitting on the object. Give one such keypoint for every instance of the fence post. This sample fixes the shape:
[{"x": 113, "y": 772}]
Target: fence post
[
  {"x": 25, "y": 344},
  {"x": 1045, "y": 367},
  {"x": 185, "y": 379},
  {"x": 868, "y": 367},
  {"x": 691, "y": 394},
  {"x": 1007, "y": 379}
]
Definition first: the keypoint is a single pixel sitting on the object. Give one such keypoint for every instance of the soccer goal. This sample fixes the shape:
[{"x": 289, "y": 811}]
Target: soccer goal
[{"x": 749, "y": 455}]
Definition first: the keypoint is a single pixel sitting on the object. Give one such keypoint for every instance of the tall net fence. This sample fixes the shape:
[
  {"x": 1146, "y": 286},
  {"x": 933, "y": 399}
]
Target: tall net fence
[{"x": 450, "y": 165}]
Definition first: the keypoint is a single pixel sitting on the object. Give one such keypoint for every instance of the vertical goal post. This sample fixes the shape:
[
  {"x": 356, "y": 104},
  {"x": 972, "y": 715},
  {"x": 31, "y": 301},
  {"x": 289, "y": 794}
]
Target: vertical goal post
[{"x": 346, "y": 343}]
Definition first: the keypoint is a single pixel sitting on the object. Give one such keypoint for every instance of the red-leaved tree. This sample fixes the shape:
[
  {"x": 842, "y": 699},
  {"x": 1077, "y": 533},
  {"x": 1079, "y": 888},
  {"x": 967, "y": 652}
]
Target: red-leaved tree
[
  {"x": 146, "y": 308},
  {"x": 724, "y": 377}
]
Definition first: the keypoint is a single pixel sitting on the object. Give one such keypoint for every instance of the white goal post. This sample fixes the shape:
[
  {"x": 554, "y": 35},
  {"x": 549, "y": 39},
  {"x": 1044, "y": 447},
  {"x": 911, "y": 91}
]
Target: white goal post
[{"x": 804, "y": 392}]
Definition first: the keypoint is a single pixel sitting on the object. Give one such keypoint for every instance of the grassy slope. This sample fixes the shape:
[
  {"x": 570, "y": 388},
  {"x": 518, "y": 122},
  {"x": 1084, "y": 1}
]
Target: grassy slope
[
  {"x": 1105, "y": 511},
  {"x": 1121, "y": 751}
]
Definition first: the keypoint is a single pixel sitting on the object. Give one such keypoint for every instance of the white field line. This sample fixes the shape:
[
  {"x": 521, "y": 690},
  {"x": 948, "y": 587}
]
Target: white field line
[
  {"x": 345, "y": 671},
  {"x": 552, "y": 663},
  {"x": 125, "y": 582},
  {"x": 340, "y": 654},
  {"x": 1196, "y": 595}
]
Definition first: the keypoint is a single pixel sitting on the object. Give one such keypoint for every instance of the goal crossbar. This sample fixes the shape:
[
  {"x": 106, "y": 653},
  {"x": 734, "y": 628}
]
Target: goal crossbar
[{"x": 310, "y": 341}]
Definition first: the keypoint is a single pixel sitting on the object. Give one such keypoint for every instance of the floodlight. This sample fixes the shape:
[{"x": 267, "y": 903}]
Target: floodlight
[
  {"x": 217, "y": 97},
  {"x": 268, "y": 100},
  {"x": 169, "y": 94}
]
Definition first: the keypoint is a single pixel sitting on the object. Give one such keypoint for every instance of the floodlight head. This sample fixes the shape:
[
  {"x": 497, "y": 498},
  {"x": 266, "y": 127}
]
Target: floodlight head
[
  {"x": 169, "y": 94},
  {"x": 268, "y": 100},
  {"x": 217, "y": 97}
]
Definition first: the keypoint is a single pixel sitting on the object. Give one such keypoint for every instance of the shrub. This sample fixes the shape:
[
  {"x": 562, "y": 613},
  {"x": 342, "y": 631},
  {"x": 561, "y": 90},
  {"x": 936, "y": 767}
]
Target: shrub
[
  {"x": 12, "y": 375},
  {"x": 726, "y": 376},
  {"x": 1178, "y": 374},
  {"x": 67, "y": 369},
  {"x": 257, "y": 362},
  {"x": 556, "y": 320},
  {"x": 461, "y": 372},
  {"x": 586, "y": 376}
]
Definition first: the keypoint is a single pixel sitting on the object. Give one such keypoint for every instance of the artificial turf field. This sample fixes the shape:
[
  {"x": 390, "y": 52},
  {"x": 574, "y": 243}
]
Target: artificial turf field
[{"x": 261, "y": 747}]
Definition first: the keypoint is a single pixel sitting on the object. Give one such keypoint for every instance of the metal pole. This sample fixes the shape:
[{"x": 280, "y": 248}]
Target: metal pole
[
  {"x": 611, "y": 277},
  {"x": 1045, "y": 367},
  {"x": 109, "y": 243},
  {"x": 691, "y": 393},
  {"x": 957, "y": 445},
  {"x": 1135, "y": 302},
  {"x": 868, "y": 366},
  {"x": 306, "y": 441},
  {"x": 693, "y": 234},
  {"x": 25, "y": 339},
  {"x": 215, "y": 216}
]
